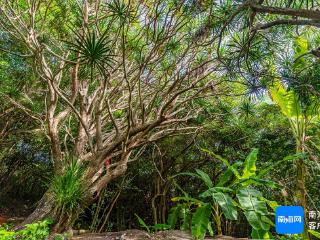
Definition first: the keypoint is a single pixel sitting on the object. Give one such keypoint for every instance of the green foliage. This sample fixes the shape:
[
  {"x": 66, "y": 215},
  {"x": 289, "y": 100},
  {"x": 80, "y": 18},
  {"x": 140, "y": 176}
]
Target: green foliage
[
  {"x": 153, "y": 43},
  {"x": 6, "y": 235},
  {"x": 233, "y": 192},
  {"x": 226, "y": 203},
  {"x": 287, "y": 101},
  {"x": 200, "y": 221},
  {"x": 181, "y": 214},
  {"x": 289, "y": 237},
  {"x": 119, "y": 10},
  {"x": 314, "y": 233},
  {"x": 34, "y": 231},
  {"x": 260, "y": 234},
  {"x": 153, "y": 228},
  {"x": 59, "y": 237},
  {"x": 142, "y": 223},
  {"x": 174, "y": 214},
  {"x": 250, "y": 164},
  {"x": 254, "y": 209},
  {"x": 225, "y": 177},
  {"x": 205, "y": 178},
  {"x": 93, "y": 50},
  {"x": 68, "y": 188}
]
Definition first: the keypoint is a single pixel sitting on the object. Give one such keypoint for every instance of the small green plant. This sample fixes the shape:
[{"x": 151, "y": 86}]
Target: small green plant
[
  {"x": 58, "y": 237},
  {"x": 152, "y": 228},
  {"x": 6, "y": 235},
  {"x": 68, "y": 189},
  {"x": 61, "y": 237},
  {"x": 33, "y": 231}
]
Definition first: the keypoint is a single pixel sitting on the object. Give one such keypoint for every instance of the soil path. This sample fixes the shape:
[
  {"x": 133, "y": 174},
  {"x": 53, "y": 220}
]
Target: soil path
[{"x": 141, "y": 235}]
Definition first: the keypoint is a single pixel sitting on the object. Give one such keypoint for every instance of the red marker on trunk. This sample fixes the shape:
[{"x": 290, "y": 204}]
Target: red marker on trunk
[{"x": 107, "y": 163}]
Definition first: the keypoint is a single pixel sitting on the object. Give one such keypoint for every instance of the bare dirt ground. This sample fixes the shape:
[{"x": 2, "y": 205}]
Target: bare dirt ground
[{"x": 141, "y": 235}]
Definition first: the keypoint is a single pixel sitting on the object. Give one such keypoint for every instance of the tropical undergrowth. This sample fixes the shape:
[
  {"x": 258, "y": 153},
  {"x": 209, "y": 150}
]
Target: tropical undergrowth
[
  {"x": 68, "y": 191},
  {"x": 35, "y": 231},
  {"x": 236, "y": 190}
]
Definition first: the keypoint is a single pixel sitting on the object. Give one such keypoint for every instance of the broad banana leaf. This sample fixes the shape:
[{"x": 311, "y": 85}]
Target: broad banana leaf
[
  {"x": 226, "y": 204},
  {"x": 255, "y": 221},
  {"x": 254, "y": 209},
  {"x": 248, "y": 199},
  {"x": 259, "y": 181},
  {"x": 209, "y": 192},
  {"x": 187, "y": 199},
  {"x": 205, "y": 178},
  {"x": 181, "y": 211},
  {"x": 210, "y": 229},
  {"x": 226, "y": 162},
  {"x": 228, "y": 175},
  {"x": 200, "y": 221},
  {"x": 250, "y": 164},
  {"x": 185, "y": 216},
  {"x": 274, "y": 165},
  {"x": 260, "y": 234},
  {"x": 290, "y": 105},
  {"x": 199, "y": 174},
  {"x": 271, "y": 204},
  {"x": 142, "y": 223},
  {"x": 173, "y": 215},
  {"x": 286, "y": 100}
]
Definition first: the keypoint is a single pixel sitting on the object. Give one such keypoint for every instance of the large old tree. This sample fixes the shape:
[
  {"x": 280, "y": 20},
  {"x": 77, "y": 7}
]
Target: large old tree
[
  {"x": 116, "y": 75},
  {"x": 113, "y": 77}
]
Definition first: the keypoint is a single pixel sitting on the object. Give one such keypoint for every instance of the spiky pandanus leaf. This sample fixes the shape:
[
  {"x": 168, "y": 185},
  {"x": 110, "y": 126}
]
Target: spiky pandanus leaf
[
  {"x": 119, "y": 10},
  {"x": 93, "y": 51}
]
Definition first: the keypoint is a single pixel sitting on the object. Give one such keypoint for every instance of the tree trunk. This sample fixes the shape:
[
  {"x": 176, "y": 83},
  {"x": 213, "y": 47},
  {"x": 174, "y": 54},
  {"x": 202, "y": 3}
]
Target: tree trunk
[
  {"x": 301, "y": 187},
  {"x": 217, "y": 219},
  {"x": 47, "y": 209},
  {"x": 44, "y": 209},
  {"x": 63, "y": 220},
  {"x": 302, "y": 193}
]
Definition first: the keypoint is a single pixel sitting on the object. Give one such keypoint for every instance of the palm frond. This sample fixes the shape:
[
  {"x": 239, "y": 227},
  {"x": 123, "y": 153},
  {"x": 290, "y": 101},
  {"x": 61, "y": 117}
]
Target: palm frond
[{"x": 92, "y": 50}]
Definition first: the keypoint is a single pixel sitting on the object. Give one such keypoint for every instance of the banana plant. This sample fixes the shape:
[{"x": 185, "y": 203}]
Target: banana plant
[
  {"x": 300, "y": 117},
  {"x": 233, "y": 191}
]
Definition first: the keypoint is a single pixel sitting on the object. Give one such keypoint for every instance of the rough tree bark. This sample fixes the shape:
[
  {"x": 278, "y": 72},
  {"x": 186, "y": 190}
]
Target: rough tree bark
[
  {"x": 119, "y": 108},
  {"x": 148, "y": 92}
]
